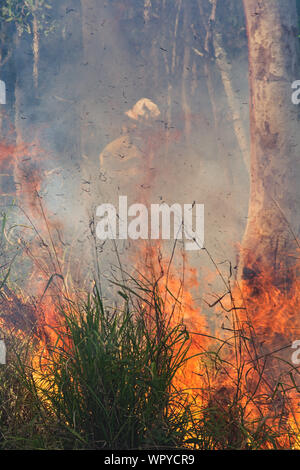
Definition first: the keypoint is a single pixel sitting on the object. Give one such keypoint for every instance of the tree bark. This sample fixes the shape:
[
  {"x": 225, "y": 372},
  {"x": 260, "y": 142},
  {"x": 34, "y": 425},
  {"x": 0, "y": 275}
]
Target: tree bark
[{"x": 269, "y": 243}]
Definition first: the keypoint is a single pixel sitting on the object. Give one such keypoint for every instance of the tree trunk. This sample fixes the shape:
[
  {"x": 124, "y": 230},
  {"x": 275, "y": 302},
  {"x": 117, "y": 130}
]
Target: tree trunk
[
  {"x": 36, "y": 51},
  {"x": 269, "y": 243},
  {"x": 232, "y": 98}
]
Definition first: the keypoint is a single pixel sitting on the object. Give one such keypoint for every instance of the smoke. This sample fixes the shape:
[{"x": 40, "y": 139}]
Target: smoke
[{"x": 99, "y": 62}]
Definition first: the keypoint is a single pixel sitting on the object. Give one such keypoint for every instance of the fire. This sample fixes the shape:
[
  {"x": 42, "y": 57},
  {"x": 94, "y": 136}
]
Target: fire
[
  {"x": 245, "y": 365},
  {"x": 175, "y": 286},
  {"x": 32, "y": 310},
  {"x": 260, "y": 333},
  {"x": 245, "y": 368}
]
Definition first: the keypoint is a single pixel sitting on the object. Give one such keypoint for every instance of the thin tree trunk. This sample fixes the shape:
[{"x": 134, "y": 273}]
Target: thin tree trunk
[
  {"x": 35, "y": 47},
  {"x": 184, "y": 92},
  {"x": 147, "y": 9},
  {"x": 185, "y": 86},
  {"x": 233, "y": 101}
]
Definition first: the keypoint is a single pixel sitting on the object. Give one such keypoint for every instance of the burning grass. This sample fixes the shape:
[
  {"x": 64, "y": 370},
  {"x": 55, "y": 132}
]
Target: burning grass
[
  {"x": 121, "y": 379},
  {"x": 149, "y": 373}
]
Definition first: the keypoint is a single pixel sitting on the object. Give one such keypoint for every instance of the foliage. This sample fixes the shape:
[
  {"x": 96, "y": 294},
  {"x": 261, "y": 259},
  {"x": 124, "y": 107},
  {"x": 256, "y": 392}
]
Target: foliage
[
  {"x": 107, "y": 383},
  {"x": 22, "y": 13}
]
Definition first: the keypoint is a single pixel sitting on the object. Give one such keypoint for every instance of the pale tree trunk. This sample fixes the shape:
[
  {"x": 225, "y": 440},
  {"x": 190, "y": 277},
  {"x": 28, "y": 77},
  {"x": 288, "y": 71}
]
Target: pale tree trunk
[
  {"x": 232, "y": 98},
  {"x": 269, "y": 243},
  {"x": 185, "y": 87},
  {"x": 214, "y": 38},
  {"x": 36, "y": 51},
  {"x": 147, "y": 9}
]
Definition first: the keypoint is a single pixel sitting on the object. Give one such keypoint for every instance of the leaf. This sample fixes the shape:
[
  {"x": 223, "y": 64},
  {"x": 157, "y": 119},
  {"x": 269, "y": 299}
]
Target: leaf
[{"x": 49, "y": 282}]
